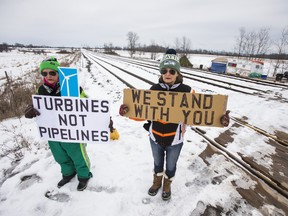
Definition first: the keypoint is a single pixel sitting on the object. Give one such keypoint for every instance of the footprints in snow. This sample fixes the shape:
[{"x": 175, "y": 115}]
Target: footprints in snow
[
  {"x": 203, "y": 182},
  {"x": 57, "y": 196},
  {"x": 27, "y": 181},
  {"x": 64, "y": 197},
  {"x": 102, "y": 188},
  {"x": 203, "y": 209},
  {"x": 218, "y": 179}
]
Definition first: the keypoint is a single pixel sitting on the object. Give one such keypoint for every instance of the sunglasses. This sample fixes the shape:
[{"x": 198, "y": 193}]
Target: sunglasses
[
  {"x": 164, "y": 71},
  {"x": 51, "y": 73}
]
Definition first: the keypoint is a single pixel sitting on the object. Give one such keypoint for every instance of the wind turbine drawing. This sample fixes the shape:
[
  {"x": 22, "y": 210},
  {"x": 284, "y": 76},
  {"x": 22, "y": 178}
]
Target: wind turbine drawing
[{"x": 66, "y": 75}]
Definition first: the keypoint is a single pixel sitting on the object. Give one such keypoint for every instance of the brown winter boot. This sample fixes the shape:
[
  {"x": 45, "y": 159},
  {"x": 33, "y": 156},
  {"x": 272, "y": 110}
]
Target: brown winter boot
[
  {"x": 166, "y": 193},
  {"x": 157, "y": 183}
]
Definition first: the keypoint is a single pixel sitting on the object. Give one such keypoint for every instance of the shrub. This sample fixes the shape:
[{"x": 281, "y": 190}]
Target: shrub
[
  {"x": 184, "y": 62},
  {"x": 13, "y": 102}
]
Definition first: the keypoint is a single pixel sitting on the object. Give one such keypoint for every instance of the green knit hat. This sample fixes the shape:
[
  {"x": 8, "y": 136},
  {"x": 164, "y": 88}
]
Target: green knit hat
[
  {"x": 170, "y": 61},
  {"x": 50, "y": 63}
]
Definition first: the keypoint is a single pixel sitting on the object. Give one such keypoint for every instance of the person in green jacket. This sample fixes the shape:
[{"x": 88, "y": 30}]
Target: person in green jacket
[{"x": 72, "y": 157}]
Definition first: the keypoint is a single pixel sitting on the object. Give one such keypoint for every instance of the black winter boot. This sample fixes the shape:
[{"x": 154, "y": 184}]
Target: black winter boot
[
  {"x": 65, "y": 180},
  {"x": 83, "y": 182}
]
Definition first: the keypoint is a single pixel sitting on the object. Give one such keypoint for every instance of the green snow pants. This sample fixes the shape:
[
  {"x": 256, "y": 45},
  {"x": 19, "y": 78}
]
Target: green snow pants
[{"x": 72, "y": 157}]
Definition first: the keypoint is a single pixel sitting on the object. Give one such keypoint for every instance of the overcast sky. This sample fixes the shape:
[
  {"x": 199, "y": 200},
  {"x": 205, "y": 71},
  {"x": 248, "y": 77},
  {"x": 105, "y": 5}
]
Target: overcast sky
[{"x": 209, "y": 24}]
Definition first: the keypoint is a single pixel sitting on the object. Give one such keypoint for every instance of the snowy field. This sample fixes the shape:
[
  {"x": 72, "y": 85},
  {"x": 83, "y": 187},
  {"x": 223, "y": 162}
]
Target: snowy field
[{"x": 122, "y": 169}]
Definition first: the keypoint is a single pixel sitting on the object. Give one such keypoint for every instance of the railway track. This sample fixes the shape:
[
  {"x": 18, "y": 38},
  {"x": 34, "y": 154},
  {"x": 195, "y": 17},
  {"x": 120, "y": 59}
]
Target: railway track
[
  {"x": 190, "y": 75},
  {"x": 248, "y": 165},
  {"x": 270, "y": 180},
  {"x": 261, "y": 131},
  {"x": 259, "y": 82},
  {"x": 98, "y": 60}
]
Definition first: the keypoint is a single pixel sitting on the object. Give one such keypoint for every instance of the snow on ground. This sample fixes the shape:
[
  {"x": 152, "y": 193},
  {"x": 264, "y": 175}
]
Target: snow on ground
[{"x": 122, "y": 169}]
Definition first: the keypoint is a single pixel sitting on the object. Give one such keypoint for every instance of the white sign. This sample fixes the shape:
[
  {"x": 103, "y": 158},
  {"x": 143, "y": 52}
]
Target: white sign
[{"x": 72, "y": 119}]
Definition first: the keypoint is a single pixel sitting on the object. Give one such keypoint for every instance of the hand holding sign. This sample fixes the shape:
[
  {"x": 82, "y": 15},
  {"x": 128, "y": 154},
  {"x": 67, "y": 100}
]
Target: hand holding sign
[
  {"x": 225, "y": 119},
  {"x": 31, "y": 112},
  {"x": 123, "y": 109}
]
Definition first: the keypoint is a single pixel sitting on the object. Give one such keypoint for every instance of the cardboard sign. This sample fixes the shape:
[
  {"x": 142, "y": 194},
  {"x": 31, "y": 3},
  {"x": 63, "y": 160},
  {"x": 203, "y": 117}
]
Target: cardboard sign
[
  {"x": 175, "y": 107},
  {"x": 72, "y": 119},
  {"x": 68, "y": 81}
]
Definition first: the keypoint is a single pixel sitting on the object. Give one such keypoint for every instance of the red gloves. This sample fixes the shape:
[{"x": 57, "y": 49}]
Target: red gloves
[
  {"x": 225, "y": 119},
  {"x": 30, "y": 112},
  {"x": 123, "y": 109}
]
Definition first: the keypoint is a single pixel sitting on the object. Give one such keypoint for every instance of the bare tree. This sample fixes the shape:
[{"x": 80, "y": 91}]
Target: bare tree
[
  {"x": 132, "y": 38},
  {"x": 252, "y": 43},
  {"x": 153, "y": 50},
  {"x": 183, "y": 45},
  {"x": 240, "y": 42},
  {"x": 263, "y": 41},
  {"x": 281, "y": 47},
  {"x": 186, "y": 45},
  {"x": 108, "y": 47},
  {"x": 4, "y": 47},
  {"x": 177, "y": 44}
]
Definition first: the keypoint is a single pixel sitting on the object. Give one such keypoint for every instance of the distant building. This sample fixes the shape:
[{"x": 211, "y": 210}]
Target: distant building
[
  {"x": 246, "y": 68},
  {"x": 219, "y": 65},
  {"x": 239, "y": 67}
]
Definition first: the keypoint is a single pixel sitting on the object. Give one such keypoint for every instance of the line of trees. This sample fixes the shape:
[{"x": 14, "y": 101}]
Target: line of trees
[
  {"x": 282, "y": 47},
  {"x": 248, "y": 44},
  {"x": 182, "y": 45},
  {"x": 253, "y": 44},
  {"x": 257, "y": 44}
]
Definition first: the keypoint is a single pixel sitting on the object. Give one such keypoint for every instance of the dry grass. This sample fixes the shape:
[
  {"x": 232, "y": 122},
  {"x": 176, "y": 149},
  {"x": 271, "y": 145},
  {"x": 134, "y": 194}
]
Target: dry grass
[{"x": 15, "y": 95}]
